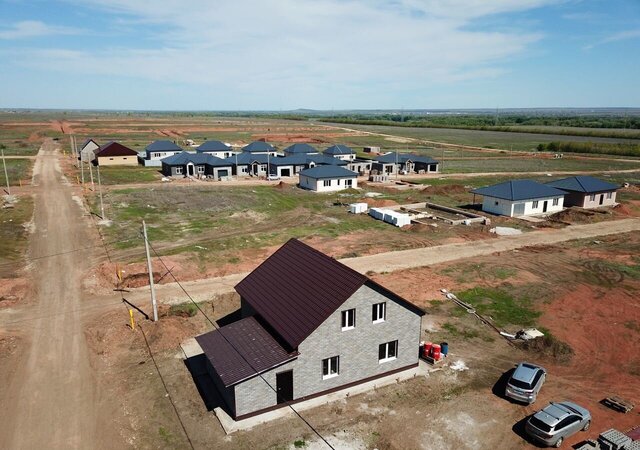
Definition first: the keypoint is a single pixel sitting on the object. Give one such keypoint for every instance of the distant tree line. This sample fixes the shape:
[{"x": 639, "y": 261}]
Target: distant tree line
[
  {"x": 599, "y": 126},
  {"x": 591, "y": 147}
]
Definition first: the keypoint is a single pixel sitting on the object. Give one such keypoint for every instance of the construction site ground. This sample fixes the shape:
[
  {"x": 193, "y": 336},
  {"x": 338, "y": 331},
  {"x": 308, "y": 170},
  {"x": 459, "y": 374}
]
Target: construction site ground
[{"x": 73, "y": 365}]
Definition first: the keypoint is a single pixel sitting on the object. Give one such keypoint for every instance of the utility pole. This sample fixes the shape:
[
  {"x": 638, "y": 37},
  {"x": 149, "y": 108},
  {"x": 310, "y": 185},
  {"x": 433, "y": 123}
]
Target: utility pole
[
  {"x": 93, "y": 186},
  {"x": 6, "y": 176},
  {"x": 397, "y": 168},
  {"x": 150, "y": 269},
  {"x": 100, "y": 193},
  {"x": 81, "y": 168},
  {"x": 237, "y": 173}
]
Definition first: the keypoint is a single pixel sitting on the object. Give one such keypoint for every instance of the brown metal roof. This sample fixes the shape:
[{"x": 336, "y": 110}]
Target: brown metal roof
[
  {"x": 115, "y": 149},
  {"x": 242, "y": 350},
  {"x": 297, "y": 288}
]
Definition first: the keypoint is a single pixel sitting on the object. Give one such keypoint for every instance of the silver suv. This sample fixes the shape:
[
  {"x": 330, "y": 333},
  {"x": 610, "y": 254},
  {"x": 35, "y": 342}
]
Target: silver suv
[
  {"x": 556, "y": 422},
  {"x": 525, "y": 383}
]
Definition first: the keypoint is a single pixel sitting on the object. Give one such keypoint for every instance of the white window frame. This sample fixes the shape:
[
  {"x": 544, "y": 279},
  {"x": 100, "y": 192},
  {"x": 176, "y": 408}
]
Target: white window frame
[
  {"x": 348, "y": 182},
  {"x": 179, "y": 170},
  {"x": 200, "y": 169},
  {"x": 348, "y": 316},
  {"x": 592, "y": 198},
  {"x": 387, "y": 348},
  {"x": 326, "y": 183},
  {"x": 332, "y": 367},
  {"x": 609, "y": 195},
  {"x": 534, "y": 205},
  {"x": 379, "y": 312},
  {"x": 556, "y": 201}
]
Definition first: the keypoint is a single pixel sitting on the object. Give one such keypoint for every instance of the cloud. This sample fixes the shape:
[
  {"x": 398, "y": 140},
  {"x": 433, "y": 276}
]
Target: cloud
[
  {"x": 620, "y": 36},
  {"x": 34, "y": 28},
  {"x": 300, "y": 52}
]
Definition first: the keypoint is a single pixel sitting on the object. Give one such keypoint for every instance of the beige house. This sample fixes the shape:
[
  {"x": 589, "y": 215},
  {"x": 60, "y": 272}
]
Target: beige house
[
  {"x": 115, "y": 154},
  {"x": 586, "y": 192}
]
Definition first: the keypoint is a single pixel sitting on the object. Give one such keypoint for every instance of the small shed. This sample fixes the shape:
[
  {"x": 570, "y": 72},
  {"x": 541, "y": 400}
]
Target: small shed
[{"x": 88, "y": 150}]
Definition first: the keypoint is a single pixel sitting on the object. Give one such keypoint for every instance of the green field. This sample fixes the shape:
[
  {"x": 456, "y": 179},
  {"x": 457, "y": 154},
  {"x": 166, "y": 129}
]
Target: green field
[
  {"x": 13, "y": 234},
  {"x": 535, "y": 165},
  {"x": 17, "y": 169},
  {"x": 476, "y": 138},
  {"x": 123, "y": 175}
]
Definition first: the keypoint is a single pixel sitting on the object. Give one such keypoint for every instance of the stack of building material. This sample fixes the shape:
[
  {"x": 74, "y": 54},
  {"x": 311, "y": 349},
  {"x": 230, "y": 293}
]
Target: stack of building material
[
  {"x": 358, "y": 208},
  {"x": 396, "y": 218},
  {"x": 377, "y": 213}
]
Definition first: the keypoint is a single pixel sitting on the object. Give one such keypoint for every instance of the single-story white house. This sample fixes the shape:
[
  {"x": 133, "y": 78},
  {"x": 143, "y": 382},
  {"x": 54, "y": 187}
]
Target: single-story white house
[
  {"x": 586, "y": 192},
  {"x": 216, "y": 148},
  {"x": 517, "y": 198},
  {"x": 300, "y": 149},
  {"x": 328, "y": 178}
]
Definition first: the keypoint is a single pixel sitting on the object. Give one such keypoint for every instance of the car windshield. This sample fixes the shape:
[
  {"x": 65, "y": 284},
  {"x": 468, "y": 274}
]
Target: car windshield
[
  {"x": 539, "y": 424},
  {"x": 519, "y": 384}
]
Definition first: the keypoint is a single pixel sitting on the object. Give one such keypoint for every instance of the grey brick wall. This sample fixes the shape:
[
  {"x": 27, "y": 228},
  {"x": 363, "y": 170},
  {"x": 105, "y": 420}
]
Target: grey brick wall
[{"x": 357, "y": 348}]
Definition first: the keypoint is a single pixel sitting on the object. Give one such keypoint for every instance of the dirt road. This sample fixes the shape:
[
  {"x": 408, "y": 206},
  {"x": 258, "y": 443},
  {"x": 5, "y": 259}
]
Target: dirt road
[
  {"x": 52, "y": 400},
  {"x": 202, "y": 290}
]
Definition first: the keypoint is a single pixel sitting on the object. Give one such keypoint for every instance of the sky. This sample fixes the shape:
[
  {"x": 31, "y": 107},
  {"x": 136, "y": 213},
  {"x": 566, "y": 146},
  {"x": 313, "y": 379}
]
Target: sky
[{"x": 319, "y": 54}]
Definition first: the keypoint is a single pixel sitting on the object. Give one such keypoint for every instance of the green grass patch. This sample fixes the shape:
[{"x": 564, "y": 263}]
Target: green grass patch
[
  {"x": 125, "y": 175},
  {"x": 503, "y": 308},
  {"x": 299, "y": 443},
  {"x": 183, "y": 310},
  {"x": 13, "y": 234},
  {"x": 17, "y": 169}
]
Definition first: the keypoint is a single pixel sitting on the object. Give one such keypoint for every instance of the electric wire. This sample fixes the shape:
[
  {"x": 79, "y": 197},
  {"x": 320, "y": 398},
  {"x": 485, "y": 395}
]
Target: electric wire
[{"x": 235, "y": 349}]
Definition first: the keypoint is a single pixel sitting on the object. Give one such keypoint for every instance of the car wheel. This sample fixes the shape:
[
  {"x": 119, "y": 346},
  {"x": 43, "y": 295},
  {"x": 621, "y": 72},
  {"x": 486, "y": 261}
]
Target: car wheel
[
  {"x": 586, "y": 425},
  {"x": 558, "y": 443}
]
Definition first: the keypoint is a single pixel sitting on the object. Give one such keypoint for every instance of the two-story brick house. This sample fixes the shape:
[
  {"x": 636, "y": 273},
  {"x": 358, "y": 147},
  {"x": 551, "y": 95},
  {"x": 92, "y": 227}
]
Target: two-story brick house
[{"x": 310, "y": 326}]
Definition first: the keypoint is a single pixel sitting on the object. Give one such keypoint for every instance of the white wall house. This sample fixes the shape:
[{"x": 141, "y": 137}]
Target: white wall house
[
  {"x": 89, "y": 150},
  {"x": 158, "y": 150},
  {"x": 328, "y": 179},
  {"x": 586, "y": 192},
  {"x": 341, "y": 152},
  {"x": 521, "y": 198}
]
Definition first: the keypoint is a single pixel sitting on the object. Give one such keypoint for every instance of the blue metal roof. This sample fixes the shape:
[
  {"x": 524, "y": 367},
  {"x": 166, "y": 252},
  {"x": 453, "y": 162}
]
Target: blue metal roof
[
  {"x": 258, "y": 147},
  {"x": 319, "y": 172},
  {"x": 184, "y": 158},
  {"x": 213, "y": 146},
  {"x": 404, "y": 157},
  {"x": 338, "y": 150},
  {"x": 583, "y": 183},
  {"x": 519, "y": 190},
  {"x": 162, "y": 146},
  {"x": 300, "y": 148},
  {"x": 248, "y": 158}
]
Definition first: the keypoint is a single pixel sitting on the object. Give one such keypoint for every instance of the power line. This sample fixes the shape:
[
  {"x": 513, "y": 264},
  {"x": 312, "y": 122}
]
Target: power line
[
  {"x": 37, "y": 258},
  {"x": 236, "y": 350}
]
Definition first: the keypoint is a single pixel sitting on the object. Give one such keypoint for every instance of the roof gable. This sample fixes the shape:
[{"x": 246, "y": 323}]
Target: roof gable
[
  {"x": 184, "y": 158},
  {"x": 338, "y": 149},
  {"x": 163, "y": 146},
  {"x": 297, "y": 288},
  {"x": 583, "y": 183},
  {"x": 257, "y": 147},
  {"x": 115, "y": 149},
  {"x": 519, "y": 190},
  {"x": 300, "y": 148},
  {"x": 213, "y": 146}
]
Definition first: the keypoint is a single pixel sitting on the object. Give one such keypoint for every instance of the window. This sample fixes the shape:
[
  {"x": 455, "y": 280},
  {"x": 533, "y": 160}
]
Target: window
[
  {"x": 535, "y": 204},
  {"x": 157, "y": 155},
  {"x": 497, "y": 203},
  {"x": 556, "y": 201},
  {"x": 348, "y": 183},
  {"x": 178, "y": 170},
  {"x": 609, "y": 195},
  {"x": 330, "y": 367},
  {"x": 592, "y": 198},
  {"x": 348, "y": 319},
  {"x": 200, "y": 169},
  {"x": 326, "y": 183},
  {"x": 387, "y": 351},
  {"x": 244, "y": 169},
  {"x": 379, "y": 312}
]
